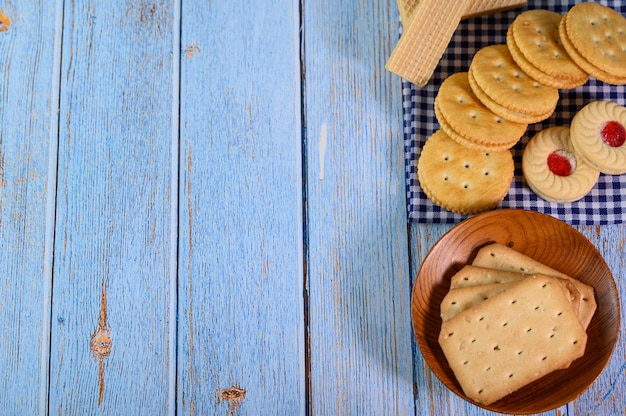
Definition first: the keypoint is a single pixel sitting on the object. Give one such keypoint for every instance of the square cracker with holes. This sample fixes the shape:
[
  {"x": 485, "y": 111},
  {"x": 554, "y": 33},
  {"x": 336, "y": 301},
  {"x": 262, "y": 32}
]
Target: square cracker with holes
[
  {"x": 472, "y": 284},
  {"x": 459, "y": 299},
  {"x": 512, "y": 339},
  {"x": 501, "y": 257}
]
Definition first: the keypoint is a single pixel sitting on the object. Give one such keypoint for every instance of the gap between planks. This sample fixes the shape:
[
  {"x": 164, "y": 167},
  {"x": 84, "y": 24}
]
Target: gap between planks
[
  {"x": 51, "y": 188},
  {"x": 174, "y": 221}
]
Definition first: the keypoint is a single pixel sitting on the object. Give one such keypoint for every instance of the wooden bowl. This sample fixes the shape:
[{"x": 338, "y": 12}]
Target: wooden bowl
[{"x": 549, "y": 241}]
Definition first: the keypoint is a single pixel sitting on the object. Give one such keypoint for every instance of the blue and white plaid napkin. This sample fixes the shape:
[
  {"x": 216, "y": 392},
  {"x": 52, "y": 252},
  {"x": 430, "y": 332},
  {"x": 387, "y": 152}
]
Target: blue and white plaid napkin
[{"x": 605, "y": 204}]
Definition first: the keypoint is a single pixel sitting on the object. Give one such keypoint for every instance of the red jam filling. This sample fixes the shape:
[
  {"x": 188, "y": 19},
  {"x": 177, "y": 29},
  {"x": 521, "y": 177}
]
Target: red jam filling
[
  {"x": 560, "y": 164},
  {"x": 613, "y": 134}
]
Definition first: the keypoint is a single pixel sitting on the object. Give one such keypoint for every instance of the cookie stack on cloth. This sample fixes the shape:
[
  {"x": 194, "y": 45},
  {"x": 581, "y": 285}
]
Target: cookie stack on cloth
[
  {"x": 509, "y": 320},
  {"x": 466, "y": 167}
]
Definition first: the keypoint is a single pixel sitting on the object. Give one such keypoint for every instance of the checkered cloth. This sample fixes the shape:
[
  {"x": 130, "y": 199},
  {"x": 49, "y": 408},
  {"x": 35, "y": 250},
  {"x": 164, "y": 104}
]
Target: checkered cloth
[{"x": 605, "y": 204}]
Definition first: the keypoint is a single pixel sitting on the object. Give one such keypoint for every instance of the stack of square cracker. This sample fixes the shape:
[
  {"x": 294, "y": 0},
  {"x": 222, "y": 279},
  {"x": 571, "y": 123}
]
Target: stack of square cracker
[{"x": 509, "y": 320}]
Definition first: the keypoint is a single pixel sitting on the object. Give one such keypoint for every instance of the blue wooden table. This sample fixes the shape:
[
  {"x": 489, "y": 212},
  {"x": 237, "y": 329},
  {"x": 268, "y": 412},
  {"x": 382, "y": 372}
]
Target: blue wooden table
[{"x": 203, "y": 211}]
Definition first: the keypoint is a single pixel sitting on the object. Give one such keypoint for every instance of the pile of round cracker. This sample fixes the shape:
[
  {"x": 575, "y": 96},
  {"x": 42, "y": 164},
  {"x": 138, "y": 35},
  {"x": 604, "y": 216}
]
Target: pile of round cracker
[{"x": 467, "y": 166}]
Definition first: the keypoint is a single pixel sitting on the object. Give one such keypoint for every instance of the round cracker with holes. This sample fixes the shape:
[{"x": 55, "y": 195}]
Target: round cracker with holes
[
  {"x": 502, "y": 111},
  {"x": 461, "y": 111},
  {"x": 501, "y": 78},
  {"x": 535, "y": 34},
  {"x": 599, "y": 35},
  {"x": 534, "y": 72},
  {"x": 463, "y": 180},
  {"x": 587, "y": 66},
  {"x": 483, "y": 147}
]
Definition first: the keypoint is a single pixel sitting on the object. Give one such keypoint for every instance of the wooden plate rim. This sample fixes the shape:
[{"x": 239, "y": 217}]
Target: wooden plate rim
[{"x": 506, "y": 405}]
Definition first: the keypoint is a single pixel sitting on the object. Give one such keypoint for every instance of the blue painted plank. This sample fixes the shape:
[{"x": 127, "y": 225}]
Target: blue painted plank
[
  {"x": 607, "y": 395},
  {"x": 358, "y": 276},
  {"x": 28, "y": 97},
  {"x": 241, "y": 313},
  {"x": 111, "y": 289}
]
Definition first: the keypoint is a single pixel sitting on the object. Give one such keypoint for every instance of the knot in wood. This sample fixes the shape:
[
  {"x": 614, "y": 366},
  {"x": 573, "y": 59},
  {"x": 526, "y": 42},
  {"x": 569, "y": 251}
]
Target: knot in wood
[
  {"x": 5, "y": 22},
  {"x": 101, "y": 343},
  {"x": 234, "y": 394}
]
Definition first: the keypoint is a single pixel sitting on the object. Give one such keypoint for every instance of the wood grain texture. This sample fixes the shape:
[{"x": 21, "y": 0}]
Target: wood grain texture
[
  {"x": 272, "y": 273},
  {"x": 241, "y": 312},
  {"x": 606, "y": 395},
  {"x": 27, "y": 116},
  {"x": 109, "y": 342},
  {"x": 603, "y": 396},
  {"x": 358, "y": 282}
]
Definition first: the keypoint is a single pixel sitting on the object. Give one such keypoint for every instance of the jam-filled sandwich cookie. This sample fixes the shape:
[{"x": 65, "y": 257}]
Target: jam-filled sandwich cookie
[
  {"x": 553, "y": 170},
  {"x": 463, "y": 180},
  {"x": 599, "y": 135}
]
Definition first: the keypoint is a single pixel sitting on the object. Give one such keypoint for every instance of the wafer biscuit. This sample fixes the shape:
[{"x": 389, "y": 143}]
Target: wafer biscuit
[
  {"x": 499, "y": 256},
  {"x": 463, "y": 180},
  {"x": 554, "y": 170},
  {"x": 598, "y": 134},
  {"x": 512, "y": 339},
  {"x": 423, "y": 42},
  {"x": 502, "y": 80},
  {"x": 482, "y": 7},
  {"x": 474, "y": 7},
  {"x": 406, "y": 8},
  {"x": 461, "y": 113}
]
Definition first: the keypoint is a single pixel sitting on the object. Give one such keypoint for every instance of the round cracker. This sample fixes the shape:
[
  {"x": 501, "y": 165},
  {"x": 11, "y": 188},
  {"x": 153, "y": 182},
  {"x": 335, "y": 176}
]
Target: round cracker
[
  {"x": 587, "y": 66},
  {"x": 599, "y": 35},
  {"x": 506, "y": 113},
  {"x": 483, "y": 147},
  {"x": 542, "y": 181},
  {"x": 462, "y": 180},
  {"x": 536, "y": 34},
  {"x": 536, "y": 73},
  {"x": 506, "y": 83},
  {"x": 469, "y": 118}
]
